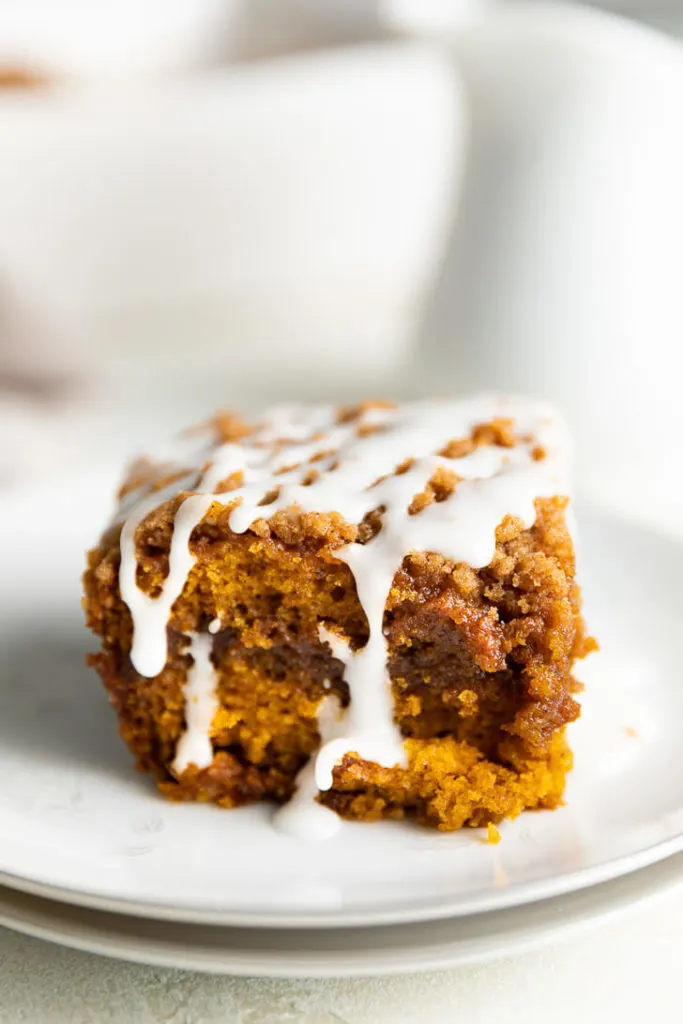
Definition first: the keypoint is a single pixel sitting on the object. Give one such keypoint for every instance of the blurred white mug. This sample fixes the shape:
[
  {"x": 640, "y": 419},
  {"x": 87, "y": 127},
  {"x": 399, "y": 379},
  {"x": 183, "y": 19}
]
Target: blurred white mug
[{"x": 281, "y": 221}]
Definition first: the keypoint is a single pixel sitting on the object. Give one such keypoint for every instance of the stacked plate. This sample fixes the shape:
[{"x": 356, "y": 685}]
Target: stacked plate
[{"x": 90, "y": 856}]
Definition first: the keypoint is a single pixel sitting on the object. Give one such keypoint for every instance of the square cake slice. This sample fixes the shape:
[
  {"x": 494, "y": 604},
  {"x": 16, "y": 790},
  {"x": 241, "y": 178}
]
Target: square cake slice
[{"x": 368, "y": 610}]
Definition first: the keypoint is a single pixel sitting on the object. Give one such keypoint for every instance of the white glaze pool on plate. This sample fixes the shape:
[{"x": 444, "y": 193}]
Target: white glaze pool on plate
[{"x": 77, "y": 822}]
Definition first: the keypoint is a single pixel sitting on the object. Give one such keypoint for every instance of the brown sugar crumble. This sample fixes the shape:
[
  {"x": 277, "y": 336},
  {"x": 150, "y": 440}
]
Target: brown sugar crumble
[{"x": 478, "y": 658}]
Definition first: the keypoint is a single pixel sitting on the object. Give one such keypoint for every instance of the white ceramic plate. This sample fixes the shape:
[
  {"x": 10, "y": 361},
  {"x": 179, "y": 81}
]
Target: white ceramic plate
[
  {"x": 77, "y": 823},
  {"x": 340, "y": 952}
]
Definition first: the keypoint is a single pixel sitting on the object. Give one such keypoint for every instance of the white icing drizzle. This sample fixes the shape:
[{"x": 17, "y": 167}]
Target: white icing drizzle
[
  {"x": 303, "y": 817},
  {"x": 369, "y": 728},
  {"x": 201, "y": 704},
  {"x": 354, "y": 475}
]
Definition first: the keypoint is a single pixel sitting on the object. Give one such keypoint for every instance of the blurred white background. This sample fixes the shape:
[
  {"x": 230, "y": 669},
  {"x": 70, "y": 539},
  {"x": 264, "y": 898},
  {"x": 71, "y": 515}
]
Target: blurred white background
[{"x": 215, "y": 202}]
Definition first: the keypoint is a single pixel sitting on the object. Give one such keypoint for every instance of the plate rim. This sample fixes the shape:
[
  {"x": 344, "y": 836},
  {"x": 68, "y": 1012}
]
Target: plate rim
[
  {"x": 530, "y": 926},
  {"x": 488, "y": 902}
]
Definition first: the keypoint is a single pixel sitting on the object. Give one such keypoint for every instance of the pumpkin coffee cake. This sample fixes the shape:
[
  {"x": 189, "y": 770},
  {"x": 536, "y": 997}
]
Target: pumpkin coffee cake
[{"x": 363, "y": 612}]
